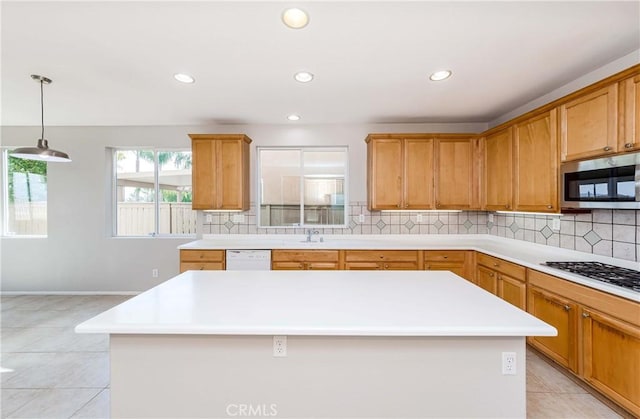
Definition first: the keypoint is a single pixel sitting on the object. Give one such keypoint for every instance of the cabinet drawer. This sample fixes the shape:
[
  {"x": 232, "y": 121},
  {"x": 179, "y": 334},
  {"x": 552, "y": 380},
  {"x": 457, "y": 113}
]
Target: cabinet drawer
[
  {"x": 287, "y": 266},
  {"x": 502, "y": 266},
  {"x": 444, "y": 255},
  {"x": 304, "y": 255},
  {"x": 381, "y": 255},
  {"x": 201, "y": 266},
  {"x": 201, "y": 255}
]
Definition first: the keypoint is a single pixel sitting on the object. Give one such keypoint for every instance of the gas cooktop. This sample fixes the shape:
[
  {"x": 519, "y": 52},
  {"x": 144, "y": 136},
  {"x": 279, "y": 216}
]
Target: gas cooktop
[{"x": 614, "y": 275}]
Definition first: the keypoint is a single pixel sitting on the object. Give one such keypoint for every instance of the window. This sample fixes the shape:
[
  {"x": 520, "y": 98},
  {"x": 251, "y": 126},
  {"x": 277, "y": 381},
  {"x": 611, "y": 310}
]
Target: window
[
  {"x": 24, "y": 196},
  {"x": 152, "y": 193},
  {"x": 302, "y": 186}
]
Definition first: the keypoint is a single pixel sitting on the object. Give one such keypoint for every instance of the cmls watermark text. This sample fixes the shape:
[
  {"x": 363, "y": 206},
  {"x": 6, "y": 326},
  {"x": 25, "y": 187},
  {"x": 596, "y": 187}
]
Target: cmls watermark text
[{"x": 248, "y": 410}]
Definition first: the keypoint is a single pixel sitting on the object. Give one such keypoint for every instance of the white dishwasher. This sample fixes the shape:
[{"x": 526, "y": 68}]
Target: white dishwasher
[{"x": 248, "y": 260}]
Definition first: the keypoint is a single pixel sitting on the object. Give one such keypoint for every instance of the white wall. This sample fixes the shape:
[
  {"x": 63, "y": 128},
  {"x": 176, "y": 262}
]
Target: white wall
[{"x": 79, "y": 254}]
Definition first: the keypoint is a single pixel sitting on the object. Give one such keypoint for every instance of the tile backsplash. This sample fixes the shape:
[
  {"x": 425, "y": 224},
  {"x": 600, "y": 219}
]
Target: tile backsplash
[{"x": 604, "y": 232}]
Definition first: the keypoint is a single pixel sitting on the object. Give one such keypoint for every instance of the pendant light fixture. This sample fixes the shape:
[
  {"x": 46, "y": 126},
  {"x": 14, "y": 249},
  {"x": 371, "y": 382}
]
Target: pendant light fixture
[{"x": 42, "y": 152}]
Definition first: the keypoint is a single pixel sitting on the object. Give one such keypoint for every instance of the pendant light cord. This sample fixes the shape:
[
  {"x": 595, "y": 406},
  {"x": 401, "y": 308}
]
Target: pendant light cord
[{"x": 42, "y": 107}]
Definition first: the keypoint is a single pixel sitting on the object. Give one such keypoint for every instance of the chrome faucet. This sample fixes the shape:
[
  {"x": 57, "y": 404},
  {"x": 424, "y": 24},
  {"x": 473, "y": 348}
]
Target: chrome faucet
[{"x": 311, "y": 233}]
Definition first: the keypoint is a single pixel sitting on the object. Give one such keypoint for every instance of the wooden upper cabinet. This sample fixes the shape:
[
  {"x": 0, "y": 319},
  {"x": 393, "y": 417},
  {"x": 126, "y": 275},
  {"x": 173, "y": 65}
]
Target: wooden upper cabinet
[
  {"x": 220, "y": 171},
  {"x": 536, "y": 164},
  {"x": 498, "y": 170},
  {"x": 457, "y": 173},
  {"x": 588, "y": 124},
  {"x": 400, "y": 172},
  {"x": 418, "y": 173},
  {"x": 629, "y": 134}
]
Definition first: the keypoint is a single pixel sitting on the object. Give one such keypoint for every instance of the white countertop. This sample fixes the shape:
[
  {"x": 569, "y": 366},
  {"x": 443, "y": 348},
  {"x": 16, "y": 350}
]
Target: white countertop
[
  {"x": 329, "y": 303},
  {"x": 523, "y": 253}
]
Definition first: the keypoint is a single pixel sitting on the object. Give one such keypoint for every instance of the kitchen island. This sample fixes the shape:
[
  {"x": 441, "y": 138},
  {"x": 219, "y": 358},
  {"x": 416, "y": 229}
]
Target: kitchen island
[{"x": 358, "y": 344}]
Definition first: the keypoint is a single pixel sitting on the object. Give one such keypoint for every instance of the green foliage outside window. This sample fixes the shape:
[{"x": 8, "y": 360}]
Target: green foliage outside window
[{"x": 24, "y": 166}]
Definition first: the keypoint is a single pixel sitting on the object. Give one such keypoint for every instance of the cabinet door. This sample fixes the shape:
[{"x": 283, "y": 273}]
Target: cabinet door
[
  {"x": 611, "y": 363},
  {"x": 287, "y": 266},
  {"x": 456, "y": 176},
  {"x": 204, "y": 166},
  {"x": 385, "y": 174},
  {"x": 457, "y": 268},
  {"x": 487, "y": 280},
  {"x": 512, "y": 291},
  {"x": 629, "y": 139},
  {"x": 498, "y": 171},
  {"x": 418, "y": 174},
  {"x": 362, "y": 266},
  {"x": 561, "y": 314},
  {"x": 589, "y": 124},
  {"x": 536, "y": 164},
  {"x": 230, "y": 174},
  {"x": 321, "y": 266}
]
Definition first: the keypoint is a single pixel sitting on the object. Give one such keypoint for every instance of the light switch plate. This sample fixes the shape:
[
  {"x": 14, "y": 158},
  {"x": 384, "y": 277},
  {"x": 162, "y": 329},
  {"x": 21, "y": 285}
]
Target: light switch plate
[
  {"x": 555, "y": 224},
  {"x": 208, "y": 218},
  {"x": 238, "y": 218}
]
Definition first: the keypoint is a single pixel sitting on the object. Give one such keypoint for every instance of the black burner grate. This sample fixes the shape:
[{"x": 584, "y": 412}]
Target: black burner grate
[{"x": 622, "y": 277}]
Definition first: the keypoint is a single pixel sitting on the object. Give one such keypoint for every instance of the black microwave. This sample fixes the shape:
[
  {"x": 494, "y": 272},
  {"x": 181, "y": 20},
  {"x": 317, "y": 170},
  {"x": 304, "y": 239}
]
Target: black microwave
[{"x": 609, "y": 182}]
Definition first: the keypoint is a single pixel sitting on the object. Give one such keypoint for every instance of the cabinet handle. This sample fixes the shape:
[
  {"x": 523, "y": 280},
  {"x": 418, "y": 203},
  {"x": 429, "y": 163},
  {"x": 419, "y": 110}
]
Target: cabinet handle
[
  {"x": 567, "y": 308},
  {"x": 629, "y": 145},
  {"x": 607, "y": 148},
  {"x": 437, "y": 204},
  {"x": 585, "y": 315},
  {"x": 202, "y": 268},
  {"x": 445, "y": 257}
]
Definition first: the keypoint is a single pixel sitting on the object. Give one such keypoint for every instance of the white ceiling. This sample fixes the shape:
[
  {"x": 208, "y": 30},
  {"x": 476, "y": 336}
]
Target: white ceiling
[{"x": 112, "y": 62}]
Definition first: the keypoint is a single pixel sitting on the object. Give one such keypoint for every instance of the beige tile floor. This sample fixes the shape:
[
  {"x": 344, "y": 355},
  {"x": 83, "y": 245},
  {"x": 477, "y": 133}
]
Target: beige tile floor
[{"x": 60, "y": 374}]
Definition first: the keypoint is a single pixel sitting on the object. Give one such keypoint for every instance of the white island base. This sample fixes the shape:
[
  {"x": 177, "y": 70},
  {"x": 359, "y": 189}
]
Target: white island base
[
  {"x": 322, "y": 377},
  {"x": 360, "y": 344}
]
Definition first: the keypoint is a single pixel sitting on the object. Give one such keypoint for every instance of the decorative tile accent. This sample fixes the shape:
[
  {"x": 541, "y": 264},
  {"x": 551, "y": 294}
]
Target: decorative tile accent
[
  {"x": 546, "y": 232},
  {"x": 352, "y": 224},
  {"x": 381, "y": 224},
  {"x": 592, "y": 237},
  {"x": 229, "y": 224},
  {"x": 438, "y": 224},
  {"x": 467, "y": 224},
  {"x": 409, "y": 224},
  {"x": 514, "y": 227}
]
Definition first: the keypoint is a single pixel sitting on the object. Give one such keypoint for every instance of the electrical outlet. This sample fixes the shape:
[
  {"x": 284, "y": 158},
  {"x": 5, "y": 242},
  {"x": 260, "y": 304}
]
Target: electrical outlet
[
  {"x": 238, "y": 218},
  {"x": 154, "y": 273},
  {"x": 279, "y": 346},
  {"x": 555, "y": 224},
  {"x": 361, "y": 218},
  {"x": 208, "y": 218},
  {"x": 490, "y": 218},
  {"x": 508, "y": 363},
  {"x": 418, "y": 218}
]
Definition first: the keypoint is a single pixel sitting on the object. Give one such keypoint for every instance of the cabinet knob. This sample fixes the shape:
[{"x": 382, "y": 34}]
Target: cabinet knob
[
  {"x": 507, "y": 206},
  {"x": 386, "y": 266},
  {"x": 607, "y": 148},
  {"x": 445, "y": 257},
  {"x": 549, "y": 206},
  {"x": 629, "y": 145},
  {"x": 491, "y": 274},
  {"x": 202, "y": 268},
  {"x": 567, "y": 308},
  {"x": 496, "y": 264},
  {"x": 398, "y": 205},
  {"x": 585, "y": 315}
]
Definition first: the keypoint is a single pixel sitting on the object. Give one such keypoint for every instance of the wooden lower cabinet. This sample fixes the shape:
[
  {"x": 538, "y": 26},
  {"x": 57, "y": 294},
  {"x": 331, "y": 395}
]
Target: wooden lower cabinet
[
  {"x": 561, "y": 314},
  {"x": 383, "y": 260},
  {"x": 460, "y": 262},
  {"x": 307, "y": 260},
  {"x": 505, "y": 279},
  {"x": 611, "y": 358},
  {"x": 601, "y": 349},
  {"x": 202, "y": 260}
]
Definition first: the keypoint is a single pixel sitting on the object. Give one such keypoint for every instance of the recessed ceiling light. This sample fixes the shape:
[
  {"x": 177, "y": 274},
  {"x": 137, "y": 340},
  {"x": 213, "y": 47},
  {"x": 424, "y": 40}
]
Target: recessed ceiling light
[
  {"x": 440, "y": 75},
  {"x": 303, "y": 76},
  {"x": 295, "y": 18},
  {"x": 184, "y": 78},
  {"x": 293, "y": 117}
]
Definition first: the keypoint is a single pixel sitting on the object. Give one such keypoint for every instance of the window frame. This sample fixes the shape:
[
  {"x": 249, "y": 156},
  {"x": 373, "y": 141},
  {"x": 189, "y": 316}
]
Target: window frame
[
  {"x": 156, "y": 188},
  {"x": 259, "y": 185},
  {"x": 4, "y": 191}
]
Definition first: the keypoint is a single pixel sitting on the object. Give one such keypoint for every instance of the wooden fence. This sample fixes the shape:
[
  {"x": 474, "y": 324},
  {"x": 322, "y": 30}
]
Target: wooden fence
[
  {"x": 138, "y": 218},
  {"x": 27, "y": 219}
]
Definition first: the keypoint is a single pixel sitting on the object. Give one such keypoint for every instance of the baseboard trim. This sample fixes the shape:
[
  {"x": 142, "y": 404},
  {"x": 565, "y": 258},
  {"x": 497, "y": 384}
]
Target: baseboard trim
[{"x": 10, "y": 293}]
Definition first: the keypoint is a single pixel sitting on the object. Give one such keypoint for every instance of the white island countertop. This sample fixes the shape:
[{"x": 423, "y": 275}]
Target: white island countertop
[
  {"x": 530, "y": 255},
  {"x": 315, "y": 303}
]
